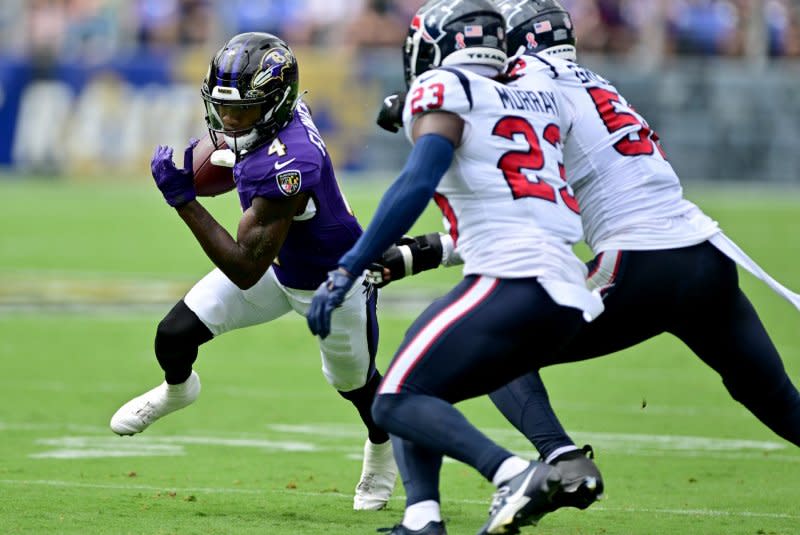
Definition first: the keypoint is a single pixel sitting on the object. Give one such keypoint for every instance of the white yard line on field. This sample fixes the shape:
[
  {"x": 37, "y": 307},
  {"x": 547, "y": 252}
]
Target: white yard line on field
[
  {"x": 339, "y": 495},
  {"x": 85, "y": 447},
  {"x": 77, "y": 441},
  {"x": 641, "y": 445},
  {"x": 676, "y": 442},
  {"x": 125, "y": 294},
  {"x": 72, "y": 441}
]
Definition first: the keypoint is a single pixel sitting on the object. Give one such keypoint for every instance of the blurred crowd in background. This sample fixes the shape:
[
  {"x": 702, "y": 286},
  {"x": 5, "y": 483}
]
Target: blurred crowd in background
[
  {"x": 95, "y": 29},
  {"x": 81, "y": 80}
]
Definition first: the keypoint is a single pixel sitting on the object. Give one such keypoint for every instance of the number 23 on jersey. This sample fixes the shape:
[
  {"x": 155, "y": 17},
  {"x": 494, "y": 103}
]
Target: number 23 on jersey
[
  {"x": 427, "y": 97},
  {"x": 512, "y": 163}
]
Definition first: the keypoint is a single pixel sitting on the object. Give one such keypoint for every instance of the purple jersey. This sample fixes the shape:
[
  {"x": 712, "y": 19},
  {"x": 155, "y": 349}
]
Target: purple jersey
[{"x": 297, "y": 161}]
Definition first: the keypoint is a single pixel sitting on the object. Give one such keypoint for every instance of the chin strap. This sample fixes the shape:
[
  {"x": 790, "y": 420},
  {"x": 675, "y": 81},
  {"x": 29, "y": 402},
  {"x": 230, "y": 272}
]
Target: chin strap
[{"x": 299, "y": 98}]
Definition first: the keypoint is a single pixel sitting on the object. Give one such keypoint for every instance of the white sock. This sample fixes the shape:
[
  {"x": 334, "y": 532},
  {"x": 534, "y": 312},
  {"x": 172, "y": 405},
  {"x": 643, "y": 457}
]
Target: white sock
[
  {"x": 178, "y": 389},
  {"x": 418, "y": 515},
  {"x": 560, "y": 451},
  {"x": 509, "y": 468},
  {"x": 381, "y": 449},
  {"x": 179, "y": 395}
]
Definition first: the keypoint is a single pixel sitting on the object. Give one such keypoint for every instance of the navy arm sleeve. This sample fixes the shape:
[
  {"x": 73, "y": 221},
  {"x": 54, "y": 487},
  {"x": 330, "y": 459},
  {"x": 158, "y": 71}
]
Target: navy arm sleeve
[{"x": 403, "y": 202}]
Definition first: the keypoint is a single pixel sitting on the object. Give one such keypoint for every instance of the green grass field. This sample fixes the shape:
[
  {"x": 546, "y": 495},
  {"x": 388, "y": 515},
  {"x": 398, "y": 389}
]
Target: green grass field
[{"x": 88, "y": 269}]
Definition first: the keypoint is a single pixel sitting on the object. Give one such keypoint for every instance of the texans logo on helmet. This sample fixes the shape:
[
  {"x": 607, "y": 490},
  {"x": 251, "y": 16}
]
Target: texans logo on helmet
[
  {"x": 510, "y": 10},
  {"x": 431, "y": 23},
  {"x": 417, "y": 25}
]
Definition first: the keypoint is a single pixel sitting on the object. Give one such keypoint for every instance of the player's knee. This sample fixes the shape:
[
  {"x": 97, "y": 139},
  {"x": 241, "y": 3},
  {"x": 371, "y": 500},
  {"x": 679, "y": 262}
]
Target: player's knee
[
  {"x": 775, "y": 392},
  {"x": 382, "y": 409},
  {"x": 345, "y": 370},
  {"x": 344, "y": 382},
  {"x": 180, "y": 329},
  {"x": 365, "y": 392}
]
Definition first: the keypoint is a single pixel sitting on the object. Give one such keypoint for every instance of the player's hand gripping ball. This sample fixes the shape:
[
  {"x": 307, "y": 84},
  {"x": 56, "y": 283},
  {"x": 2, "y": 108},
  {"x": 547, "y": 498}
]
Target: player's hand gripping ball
[{"x": 211, "y": 179}]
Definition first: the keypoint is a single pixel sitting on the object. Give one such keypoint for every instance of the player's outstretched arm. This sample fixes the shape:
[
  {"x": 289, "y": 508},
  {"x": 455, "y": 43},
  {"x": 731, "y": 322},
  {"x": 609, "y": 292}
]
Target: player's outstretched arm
[
  {"x": 399, "y": 207},
  {"x": 436, "y": 136}
]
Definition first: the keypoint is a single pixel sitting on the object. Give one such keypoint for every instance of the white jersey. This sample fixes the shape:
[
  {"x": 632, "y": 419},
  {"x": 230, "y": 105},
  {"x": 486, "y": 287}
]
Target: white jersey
[
  {"x": 629, "y": 195},
  {"x": 504, "y": 198}
]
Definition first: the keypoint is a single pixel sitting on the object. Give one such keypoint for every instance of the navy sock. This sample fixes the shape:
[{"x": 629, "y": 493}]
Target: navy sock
[
  {"x": 362, "y": 399},
  {"x": 526, "y": 405}
]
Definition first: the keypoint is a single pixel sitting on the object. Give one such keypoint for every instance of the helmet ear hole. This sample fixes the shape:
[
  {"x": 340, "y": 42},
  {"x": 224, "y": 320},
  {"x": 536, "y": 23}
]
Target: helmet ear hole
[{"x": 252, "y": 71}]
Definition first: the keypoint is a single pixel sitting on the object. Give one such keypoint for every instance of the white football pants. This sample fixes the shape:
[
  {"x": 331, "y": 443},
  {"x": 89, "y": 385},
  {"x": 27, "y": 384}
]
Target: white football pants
[{"x": 223, "y": 307}]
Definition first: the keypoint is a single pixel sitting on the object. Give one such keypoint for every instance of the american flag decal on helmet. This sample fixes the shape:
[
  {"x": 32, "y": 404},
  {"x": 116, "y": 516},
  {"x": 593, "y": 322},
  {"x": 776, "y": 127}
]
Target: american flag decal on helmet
[{"x": 473, "y": 30}]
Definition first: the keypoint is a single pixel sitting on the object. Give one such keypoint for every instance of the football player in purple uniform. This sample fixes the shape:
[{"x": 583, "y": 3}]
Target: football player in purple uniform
[
  {"x": 661, "y": 264},
  {"x": 295, "y": 225}
]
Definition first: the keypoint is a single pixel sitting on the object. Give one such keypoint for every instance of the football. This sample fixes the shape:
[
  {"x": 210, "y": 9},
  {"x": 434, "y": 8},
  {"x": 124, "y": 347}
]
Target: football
[{"x": 211, "y": 179}]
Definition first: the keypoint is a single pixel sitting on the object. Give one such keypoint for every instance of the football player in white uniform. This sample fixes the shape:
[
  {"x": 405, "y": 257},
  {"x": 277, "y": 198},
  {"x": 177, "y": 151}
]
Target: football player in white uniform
[
  {"x": 661, "y": 264},
  {"x": 488, "y": 150}
]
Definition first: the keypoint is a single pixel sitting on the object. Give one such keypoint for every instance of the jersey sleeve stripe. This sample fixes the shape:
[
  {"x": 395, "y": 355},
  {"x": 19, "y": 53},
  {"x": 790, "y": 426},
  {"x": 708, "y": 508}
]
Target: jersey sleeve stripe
[
  {"x": 464, "y": 83},
  {"x": 550, "y": 65}
]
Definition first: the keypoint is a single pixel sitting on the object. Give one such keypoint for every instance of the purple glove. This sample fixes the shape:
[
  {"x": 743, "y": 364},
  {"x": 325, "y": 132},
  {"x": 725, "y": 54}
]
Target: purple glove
[{"x": 177, "y": 185}]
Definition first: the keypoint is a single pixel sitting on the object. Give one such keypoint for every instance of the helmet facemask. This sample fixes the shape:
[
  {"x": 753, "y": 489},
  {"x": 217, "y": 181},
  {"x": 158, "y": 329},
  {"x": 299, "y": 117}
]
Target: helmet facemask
[
  {"x": 256, "y": 118},
  {"x": 419, "y": 55}
]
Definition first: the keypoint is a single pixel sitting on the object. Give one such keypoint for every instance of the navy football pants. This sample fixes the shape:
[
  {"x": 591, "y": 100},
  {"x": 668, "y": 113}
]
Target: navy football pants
[
  {"x": 481, "y": 335},
  {"x": 692, "y": 293}
]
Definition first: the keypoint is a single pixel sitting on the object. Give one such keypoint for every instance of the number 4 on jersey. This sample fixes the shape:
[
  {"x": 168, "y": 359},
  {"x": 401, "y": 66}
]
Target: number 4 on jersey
[{"x": 277, "y": 148}]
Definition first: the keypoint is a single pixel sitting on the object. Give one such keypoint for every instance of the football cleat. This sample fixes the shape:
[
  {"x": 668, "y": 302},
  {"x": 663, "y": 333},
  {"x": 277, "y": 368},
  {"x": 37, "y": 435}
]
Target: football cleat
[
  {"x": 137, "y": 414},
  {"x": 581, "y": 481},
  {"x": 378, "y": 475},
  {"x": 522, "y": 500},
  {"x": 431, "y": 528}
]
